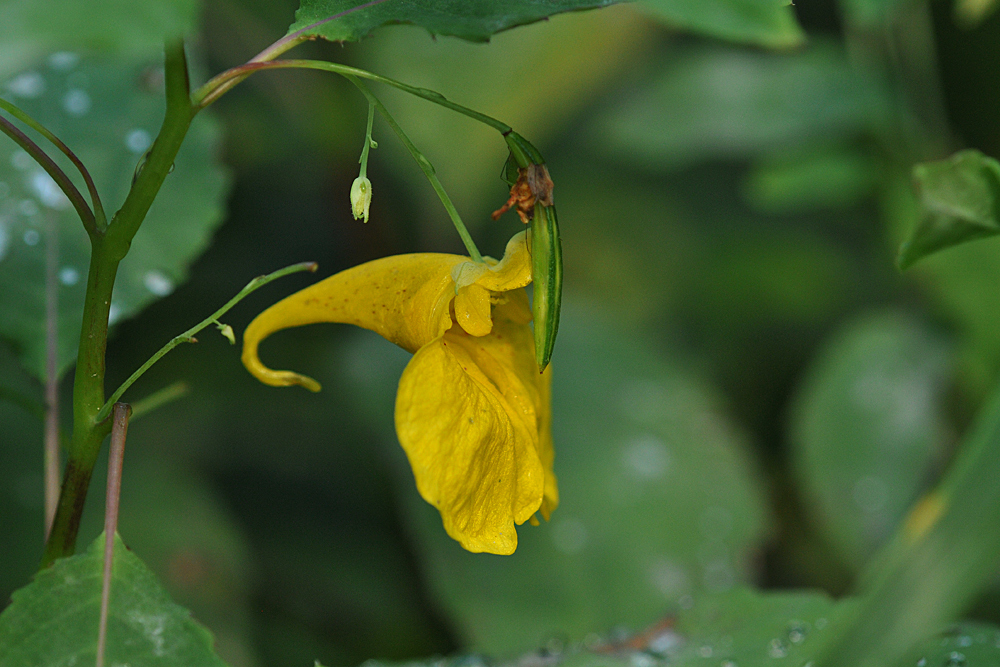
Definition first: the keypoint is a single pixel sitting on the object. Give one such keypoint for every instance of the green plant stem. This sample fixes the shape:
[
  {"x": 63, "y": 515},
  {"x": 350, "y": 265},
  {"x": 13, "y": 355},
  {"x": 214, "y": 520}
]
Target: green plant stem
[
  {"x": 188, "y": 336},
  {"x": 95, "y": 198},
  {"x": 524, "y": 153},
  {"x": 53, "y": 170},
  {"x": 221, "y": 83},
  {"x": 368, "y": 141},
  {"x": 212, "y": 90},
  {"x": 107, "y": 250},
  {"x": 426, "y": 167}
]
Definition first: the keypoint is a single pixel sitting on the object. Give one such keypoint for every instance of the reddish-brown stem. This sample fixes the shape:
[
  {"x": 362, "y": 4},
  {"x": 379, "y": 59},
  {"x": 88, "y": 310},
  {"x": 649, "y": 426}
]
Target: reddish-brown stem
[
  {"x": 116, "y": 457},
  {"x": 51, "y": 374}
]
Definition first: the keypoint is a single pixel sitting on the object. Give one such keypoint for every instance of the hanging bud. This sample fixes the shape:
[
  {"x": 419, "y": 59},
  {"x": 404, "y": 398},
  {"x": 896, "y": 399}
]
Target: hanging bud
[
  {"x": 361, "y": 197},
  {"x": 227, "y": 332}
]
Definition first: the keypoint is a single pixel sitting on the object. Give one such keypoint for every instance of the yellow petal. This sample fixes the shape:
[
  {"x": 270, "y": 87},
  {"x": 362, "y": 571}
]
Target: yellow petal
[
  {"x": 473, "y": 454},
  {"x": 473, "y": 310},
  {"x": 403, "y": 298},
  {"x": 512, "y": 344},
  {"x": 478, "y": 284}
]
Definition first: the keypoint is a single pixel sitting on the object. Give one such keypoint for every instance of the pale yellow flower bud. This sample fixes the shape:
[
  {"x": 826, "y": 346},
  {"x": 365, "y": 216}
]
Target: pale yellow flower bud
[{"x": 361, "y": 197}]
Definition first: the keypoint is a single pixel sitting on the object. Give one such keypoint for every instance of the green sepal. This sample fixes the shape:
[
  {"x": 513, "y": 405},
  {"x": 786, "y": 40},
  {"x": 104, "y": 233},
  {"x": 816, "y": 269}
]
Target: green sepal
[
  {"x": 509, "y": 175},
  {"x": 546, "y": 272}
]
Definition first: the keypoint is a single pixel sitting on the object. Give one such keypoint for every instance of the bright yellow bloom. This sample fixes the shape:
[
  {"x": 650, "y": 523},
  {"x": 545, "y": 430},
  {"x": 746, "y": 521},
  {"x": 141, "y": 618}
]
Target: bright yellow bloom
[{"x": 472, "y": 411}]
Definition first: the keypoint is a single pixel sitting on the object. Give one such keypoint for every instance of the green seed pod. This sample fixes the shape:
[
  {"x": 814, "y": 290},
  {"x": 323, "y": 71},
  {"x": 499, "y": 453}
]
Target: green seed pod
[
  {"x": 546, "y": 271},
  {"x": 546, "y": 249}
]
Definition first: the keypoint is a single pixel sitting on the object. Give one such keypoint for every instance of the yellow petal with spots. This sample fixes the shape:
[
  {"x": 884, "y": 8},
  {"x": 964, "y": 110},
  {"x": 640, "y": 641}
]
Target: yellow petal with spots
[
  {"x": 403, "y": 298},
  {"x": 473, "y": 455}
]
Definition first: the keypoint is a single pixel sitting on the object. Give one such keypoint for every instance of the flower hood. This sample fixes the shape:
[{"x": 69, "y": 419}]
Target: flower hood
[{"x": 472, "y": 411}]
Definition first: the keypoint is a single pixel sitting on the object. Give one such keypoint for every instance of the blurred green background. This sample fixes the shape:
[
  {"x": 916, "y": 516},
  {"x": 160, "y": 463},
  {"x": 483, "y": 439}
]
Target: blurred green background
[{"x": 745, "y": 388}]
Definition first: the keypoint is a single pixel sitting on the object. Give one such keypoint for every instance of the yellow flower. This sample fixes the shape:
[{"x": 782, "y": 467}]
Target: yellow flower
[{"x": 472, "y": 411}]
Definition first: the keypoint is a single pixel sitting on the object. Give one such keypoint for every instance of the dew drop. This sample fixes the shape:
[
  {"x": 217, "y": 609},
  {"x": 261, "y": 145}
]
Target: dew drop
[
  {"x": 641, "y": 660},
  {"x": 820, "y": 623},
  {"x": 922, "y": 662},
  {"x": 31, "y": 237},
  {"x": 665, "y": 642},
  {"x": 157, "y": 283},
  {"x": 777, "y": 648},
  {"x": 964, "y": 641},
  {"x": 28, "y": 84},
  {"x": 646, "y": 458},
  {"x": 728, "y": 663},
  {"x": 955, "y": 659},
  {"x": 69, "y": 276},
  {"x": 28, "y": 207},
  {"x": 76, "y": 102},
  {"x": 63, "y": 60},
  {"x": 797, "y": 632},
  {"x": 138, "y": 140},
  {"x": 47, "y": 191},
  {"x": 669, "y": 577},
  {"x": 20, "y": 160},
  {"x": 705, "y": 651}
]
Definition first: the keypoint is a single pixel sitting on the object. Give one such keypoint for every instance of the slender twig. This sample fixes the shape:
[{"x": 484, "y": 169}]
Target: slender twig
[
  {"x": 95, "y": 198},
  {"x": 51, "y": 456},
  {"x": 158, "y": 398},
  {"x": 53, "y": 170},
  {"x": 116, "y": 457},
  {"x": 426, "y": 167},
  {"x": 368, "y": 141},
  {"x": 221, "y": 83},
  {"x": 206, "y": 95},
  {"x": 188, "y": 336}
]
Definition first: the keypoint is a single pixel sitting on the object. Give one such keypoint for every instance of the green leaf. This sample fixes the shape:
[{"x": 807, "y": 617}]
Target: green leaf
[
  {"x": 108, "y": 113},
  {"x": 658, "y": 502},
  {"x": 768, "y": 23},
  {"x": 474, "y": 20},
  {"x": 867, "y": 427},
  {"x": 960, "y": 201},
  {"x": 940, "y": 559},
  {"x": 109, "y": 25},
  {"x": 712, "y": 103},
  {"x": 54, "y": 619},
  {"x": 742, "y": 627}
]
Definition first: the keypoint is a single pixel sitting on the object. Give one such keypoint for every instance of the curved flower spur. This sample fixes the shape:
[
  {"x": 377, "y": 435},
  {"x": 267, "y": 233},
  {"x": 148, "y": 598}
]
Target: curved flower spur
[{"x": 473, "y": 413}]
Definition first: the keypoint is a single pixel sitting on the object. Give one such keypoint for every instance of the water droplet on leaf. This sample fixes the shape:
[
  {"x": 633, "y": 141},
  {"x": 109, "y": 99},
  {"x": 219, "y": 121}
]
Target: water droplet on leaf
[
  {"x": 76, "y": 102},
  {"x": 28, "y": 84},
  {"x": 777, "y": 649}
]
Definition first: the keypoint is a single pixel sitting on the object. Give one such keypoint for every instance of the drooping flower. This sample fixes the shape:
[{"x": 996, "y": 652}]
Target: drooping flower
[
  {"x": 472, "y": 411},
  {"x": 361, "y": 197}
]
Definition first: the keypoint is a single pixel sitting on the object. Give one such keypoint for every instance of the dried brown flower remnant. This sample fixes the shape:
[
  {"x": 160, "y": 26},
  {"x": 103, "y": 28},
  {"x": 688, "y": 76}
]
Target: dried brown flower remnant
[{"x": 533, "y": 184}]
